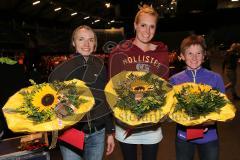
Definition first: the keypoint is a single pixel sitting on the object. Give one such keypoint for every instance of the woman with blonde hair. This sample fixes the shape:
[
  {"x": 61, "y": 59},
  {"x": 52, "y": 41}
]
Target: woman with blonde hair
[
  {"x": 98, "y": 122},
  {"x": 140, "y": 54}
]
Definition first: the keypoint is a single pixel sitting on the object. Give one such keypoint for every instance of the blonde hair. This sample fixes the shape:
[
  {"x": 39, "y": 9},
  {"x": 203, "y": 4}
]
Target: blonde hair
[
  {"x": 146, "y": 9},
  {"x": 87, "y": 28}
]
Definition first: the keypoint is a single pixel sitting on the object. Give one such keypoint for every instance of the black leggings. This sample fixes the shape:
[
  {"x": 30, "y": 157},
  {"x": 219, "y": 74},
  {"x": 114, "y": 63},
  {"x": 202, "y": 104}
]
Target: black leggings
[{"x": 149, "y": 152}]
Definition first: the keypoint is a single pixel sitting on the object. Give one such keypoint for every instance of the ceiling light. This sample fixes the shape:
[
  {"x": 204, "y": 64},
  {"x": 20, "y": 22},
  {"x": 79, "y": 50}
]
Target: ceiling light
[
  {"x": 57, "y": 9},
  {"x": 74, "y": 13},
  {"x": 234, "y": 0},
  {"x": 86, "y": 17},
  {"x": 108, "y": 5},
  {"x": 96, "y": 20},
  {"x": 112, "y": 21},
  {"x": 35, "y": 3}
]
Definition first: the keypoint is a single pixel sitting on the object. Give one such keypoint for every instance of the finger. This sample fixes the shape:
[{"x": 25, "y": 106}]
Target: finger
[{"x": 110, "y": 149}]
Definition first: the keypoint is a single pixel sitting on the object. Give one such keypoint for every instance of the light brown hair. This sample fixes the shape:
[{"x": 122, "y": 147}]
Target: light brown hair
[
  {"x": 193, "y": 40},
  {"x": 235, "y": 47}
]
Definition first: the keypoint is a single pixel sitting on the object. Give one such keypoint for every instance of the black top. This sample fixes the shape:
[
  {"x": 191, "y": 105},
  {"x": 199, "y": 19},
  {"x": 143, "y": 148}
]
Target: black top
[
  {"x": 93, "y": 73},
  {"x": 231, "y": 60},
  {"x": 12, "y": 80}
]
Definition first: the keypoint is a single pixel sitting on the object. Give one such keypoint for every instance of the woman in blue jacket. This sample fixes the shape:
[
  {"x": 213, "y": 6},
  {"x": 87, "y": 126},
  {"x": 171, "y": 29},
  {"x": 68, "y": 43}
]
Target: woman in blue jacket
[{"x": 193, "y": 51}]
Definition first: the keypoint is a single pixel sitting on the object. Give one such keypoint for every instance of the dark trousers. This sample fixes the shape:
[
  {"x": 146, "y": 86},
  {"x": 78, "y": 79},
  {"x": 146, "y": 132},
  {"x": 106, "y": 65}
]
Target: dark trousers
[
  {"x": 149, "y": 152},
  {"x": 208, "y": 151},
  {"x": 232, "y": 77}
]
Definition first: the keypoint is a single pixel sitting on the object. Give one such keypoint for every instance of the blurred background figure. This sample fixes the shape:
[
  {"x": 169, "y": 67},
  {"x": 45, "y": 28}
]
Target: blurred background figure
[
  {"x": 176, "y": 64},
  {"x": 13, "y": 79},
  {"x": 231, "y": 59}
]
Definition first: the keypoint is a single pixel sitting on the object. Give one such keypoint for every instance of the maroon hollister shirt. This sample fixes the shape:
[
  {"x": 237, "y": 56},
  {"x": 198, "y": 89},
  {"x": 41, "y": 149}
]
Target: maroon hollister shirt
[{"x": 128, "y": 57}]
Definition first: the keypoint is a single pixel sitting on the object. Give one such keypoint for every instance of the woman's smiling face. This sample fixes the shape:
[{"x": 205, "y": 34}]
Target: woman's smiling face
[
  {"x": 193, "y": 56},
  {"x": 145, "y": 27},
  {"x": 84, "y": 41}
]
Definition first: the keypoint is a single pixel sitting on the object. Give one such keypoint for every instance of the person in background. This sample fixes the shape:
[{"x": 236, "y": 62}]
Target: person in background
[
  {"x": 90, "y": 69},
  {"x": 193, "y": 51},
  {"x": 140, "y": 54},
  {"x": 175, "y": 63},
  {"x": 14, "y": 78},
  {"x": 231, "y": 59}
]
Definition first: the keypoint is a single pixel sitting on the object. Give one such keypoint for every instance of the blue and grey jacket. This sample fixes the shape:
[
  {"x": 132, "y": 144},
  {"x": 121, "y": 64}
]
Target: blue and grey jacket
[{"x": 203, "y": 76}]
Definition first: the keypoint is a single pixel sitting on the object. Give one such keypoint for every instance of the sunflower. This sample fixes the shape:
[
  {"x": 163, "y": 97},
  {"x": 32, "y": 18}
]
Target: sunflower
[
  {"x": 140, "y": 86},
  {"x": 45, "y": 98},
  {"x": 140, "y": 92}
]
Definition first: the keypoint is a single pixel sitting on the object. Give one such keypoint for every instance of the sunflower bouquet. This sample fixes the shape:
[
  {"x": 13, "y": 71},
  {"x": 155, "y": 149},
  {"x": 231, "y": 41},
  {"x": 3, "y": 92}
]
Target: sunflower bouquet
[
  {"x": 140, "y": 94},
  {"x": 48, "y": 106},
  {"x": 198, "y": 103},
  {"x": 138, "y": 97}
]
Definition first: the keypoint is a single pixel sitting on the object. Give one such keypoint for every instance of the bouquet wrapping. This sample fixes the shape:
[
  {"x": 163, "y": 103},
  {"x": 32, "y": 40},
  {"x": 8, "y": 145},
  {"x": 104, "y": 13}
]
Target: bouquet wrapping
[
  {"x": 138, "y": 98},
  {"x": 48, "y": 106},
  {"x": 194, "y": 104}
]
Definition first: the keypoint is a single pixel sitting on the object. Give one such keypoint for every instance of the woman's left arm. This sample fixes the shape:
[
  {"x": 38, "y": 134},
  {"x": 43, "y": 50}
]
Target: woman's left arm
[{"x": 110, "y": 128}]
